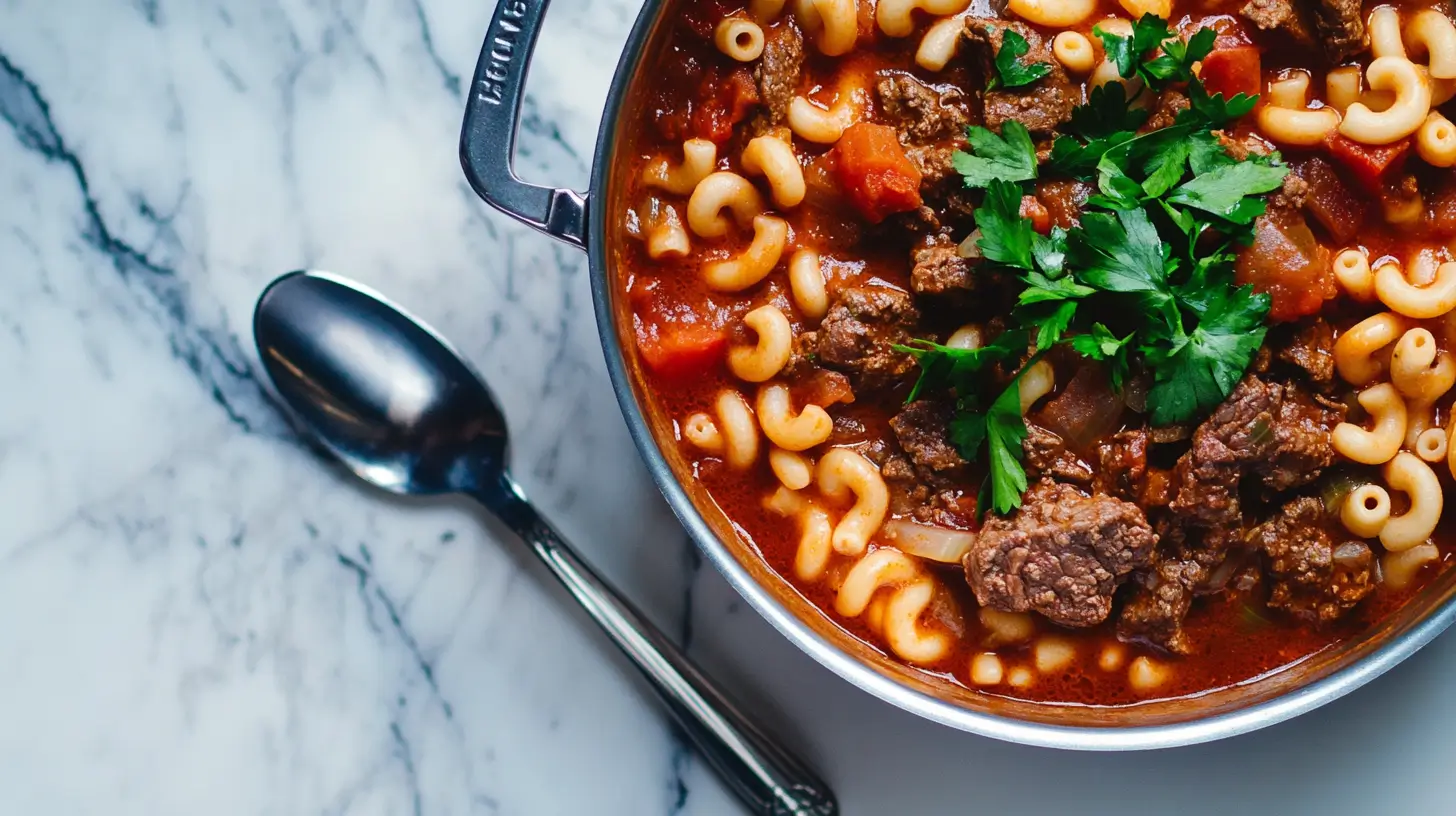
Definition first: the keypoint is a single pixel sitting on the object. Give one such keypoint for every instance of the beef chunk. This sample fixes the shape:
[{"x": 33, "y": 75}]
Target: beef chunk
[
  {"x": 859, "y": 330},
  {"x": 1340, "y": 27},
  {"x": 1123, "y": 465},
  {"x": 1040, "y": 106},
  {"x": 920, "y": 112},
  {"x": 1311, "y": 350},
  {"x": 1064, "y": 199},
  {"x": 922, "y": 429},
  {"x": 1047, "y": 456},
  {"x": 778, "y": 71},
  {"x": 1268, "y": 430},
  {"x": 1278, "y": 15},
  {"x": 939, "y": 269},
  {"x": 1185, "y": 566},
  {"x": 1313, "y": 578},
  {"x": 1061, "y": 554}
]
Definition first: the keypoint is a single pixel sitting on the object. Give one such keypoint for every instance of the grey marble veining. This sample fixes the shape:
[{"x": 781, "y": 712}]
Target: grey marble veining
[{"x": 201, "y": 616}]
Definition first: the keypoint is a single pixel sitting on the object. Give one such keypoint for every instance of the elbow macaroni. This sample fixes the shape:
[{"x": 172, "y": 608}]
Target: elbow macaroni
[
  {"x": 702, "y": 432},
  {"x": 1412, "y": 103},
  {"x": 763, "y": 360},
  {"x": 770, "y": 236},
  {"x": 699, "y": 158},
  {"x": 1378, "y": 445},
  {"x": 1408, "y": 474},
  {"x": 774, "y": 159},
  {"x": 814, "y": 124},
  {"x": 939, "y": 45},
  {"x": 739, "y": 429},
  {"x": 1052, "y": 13},
  {"x": 1420, "y": 302},
  {"x": 1365, "y": 511},
  {"x": 1432, "y": 33},
  {"x": 666, "y": 237},
  {"x": 834, "y": 24},
  {"x": 810, "y": 427},
  {"x": 1074, "y": 51},
  {"x": 841, "y": 472},
  {"x": 1356, "y": 348},
  {"x": 1352, "y": 272},
  {"x": 806, "y": 284},
  {"x": 1436, "y": 141},
  {"x": 739, "y": 38},
  {"x": 1287, "y": 120},
  {"x": 794, "y": 470},
  {"x": 895, "y": 17},
  {"x": 717, "y": 192}
]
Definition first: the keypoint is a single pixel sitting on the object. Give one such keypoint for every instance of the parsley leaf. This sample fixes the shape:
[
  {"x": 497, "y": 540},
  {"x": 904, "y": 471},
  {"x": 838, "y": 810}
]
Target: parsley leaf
[
  {"x": 1214, "y": 111},
  {"x": 1101, "y": 344},
  {"x": 1107, "y": 111},
  {"x": 1005, "y": 430},
  {"x": 1011, "y": 72},
  {"x": 967, "y": 433},
  {"x": 1194, "y": 372},
  {"x": 1054, "y": 324},
  {"x": 1121, "y": 253},
  {"x": 1125, "y": 52},
  {"x": 1006, "y": 237},
  {"x": 1176, "y": 62},
  {"x": 944, "y": 367},
  {"x": 1008, "y": 157},
  {"x": 1225, "y": 190}
]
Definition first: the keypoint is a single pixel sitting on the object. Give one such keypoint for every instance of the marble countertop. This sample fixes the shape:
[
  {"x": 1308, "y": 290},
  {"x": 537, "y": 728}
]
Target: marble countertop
[{"x": 202, "y": 617}]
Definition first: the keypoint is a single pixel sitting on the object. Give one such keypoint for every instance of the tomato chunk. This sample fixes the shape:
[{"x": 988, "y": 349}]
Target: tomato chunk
[
  {"x": 1232, "y": 71},
  {"x": 723, "y": 102},
  {"x": 1370, "y": 166},
  {"x": 1286, "y": 261},
  {"x": 1036, "y": 212},
  {"x": 874, "y": 172},
  {"x": 680, "y": 350}
]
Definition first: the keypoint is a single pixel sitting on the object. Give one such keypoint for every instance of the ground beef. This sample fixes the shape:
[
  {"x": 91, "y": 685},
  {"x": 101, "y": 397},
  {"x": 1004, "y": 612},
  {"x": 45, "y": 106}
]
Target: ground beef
[
  {"x": 1040, "y": 106},
  {"x": 779, "y": 70},
  {"x": 1310, "y": 348},
  {"x": 920, "y": 112},
  {"x": 1047, "y": 456},
  {"x": 1272, "y": 431},
  {"x": 939, "y": 269},
  {"x": 922, "y": 429},
  {"x": 1340, "y": 27},
  {"x": 1165, "y": 113},
  {"x": 1312, "y": 578},
  {"x": 1292, "y": 194},
  {"x": 857, "y": 334},
  {"x": 1062, "y": 554}
]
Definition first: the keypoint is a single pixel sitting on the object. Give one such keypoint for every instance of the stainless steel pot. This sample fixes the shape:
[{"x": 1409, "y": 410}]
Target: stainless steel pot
[{"x": 586, "y": 220}]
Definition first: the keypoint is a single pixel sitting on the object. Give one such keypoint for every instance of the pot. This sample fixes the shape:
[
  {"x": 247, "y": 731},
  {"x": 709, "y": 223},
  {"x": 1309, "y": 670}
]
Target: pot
[{"x": 585, "y": 220}]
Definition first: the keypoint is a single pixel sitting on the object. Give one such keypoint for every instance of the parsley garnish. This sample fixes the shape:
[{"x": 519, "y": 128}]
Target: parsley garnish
[
  {"x": 1153, "y": 254},
  {"x": 1010, "y": 71},
  {"x": 1008, "y": 157}
]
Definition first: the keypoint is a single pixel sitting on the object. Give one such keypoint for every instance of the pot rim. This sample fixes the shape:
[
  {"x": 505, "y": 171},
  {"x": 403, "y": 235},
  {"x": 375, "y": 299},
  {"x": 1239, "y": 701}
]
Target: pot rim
[{"x": 1110, "y": 738}]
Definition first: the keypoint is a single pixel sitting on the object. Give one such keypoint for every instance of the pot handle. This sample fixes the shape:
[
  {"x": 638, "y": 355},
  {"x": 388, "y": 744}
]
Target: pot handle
[{"x": 492, "y": 114}]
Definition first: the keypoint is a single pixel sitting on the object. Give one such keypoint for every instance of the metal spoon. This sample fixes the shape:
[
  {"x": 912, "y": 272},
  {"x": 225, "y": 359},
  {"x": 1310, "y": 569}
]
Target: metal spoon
[{"x": 399, "y": 407}]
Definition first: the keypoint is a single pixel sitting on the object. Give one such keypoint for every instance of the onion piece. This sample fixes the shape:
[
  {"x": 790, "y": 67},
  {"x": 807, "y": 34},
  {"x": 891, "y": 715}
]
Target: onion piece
[
  {"x": 926, "y": 541},
  {"x": 968, "y": 248}
]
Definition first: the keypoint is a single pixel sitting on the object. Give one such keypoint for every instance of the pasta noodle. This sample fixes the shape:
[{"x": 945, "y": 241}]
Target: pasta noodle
[
  {"x": 1408, "y": 474},
  {"x": 840, "y": 472},
  {"x": 760, "y": 362}
]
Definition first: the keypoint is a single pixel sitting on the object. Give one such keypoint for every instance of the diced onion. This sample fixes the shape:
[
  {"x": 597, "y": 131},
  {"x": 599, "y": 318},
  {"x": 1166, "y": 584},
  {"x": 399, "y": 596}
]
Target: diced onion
[
  {"x": 924, "y": 541},
  {"x": 968, "y": 248}
]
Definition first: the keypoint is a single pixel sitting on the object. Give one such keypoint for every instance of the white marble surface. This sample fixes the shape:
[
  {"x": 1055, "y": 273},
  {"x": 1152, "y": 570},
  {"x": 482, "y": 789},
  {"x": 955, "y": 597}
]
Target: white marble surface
[{"x": 200, "y": 617}]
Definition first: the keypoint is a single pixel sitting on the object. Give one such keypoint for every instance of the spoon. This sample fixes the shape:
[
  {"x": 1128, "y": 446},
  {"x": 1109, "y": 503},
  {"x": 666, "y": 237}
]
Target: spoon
[{"x": 399, "y": 407}]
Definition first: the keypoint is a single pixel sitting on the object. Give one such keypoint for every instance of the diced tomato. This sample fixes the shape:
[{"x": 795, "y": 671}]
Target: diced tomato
[
  {"x": 1033, "y": 210},
  {"x": 680, "y": 350},
  {"x": 1286, "y": 261},
  {"x": 1232, "y": 71},
  {"x": 723, "y": 102},
  {"x": 1370, "y": 166},
  {"x": 874, "y": 172}
]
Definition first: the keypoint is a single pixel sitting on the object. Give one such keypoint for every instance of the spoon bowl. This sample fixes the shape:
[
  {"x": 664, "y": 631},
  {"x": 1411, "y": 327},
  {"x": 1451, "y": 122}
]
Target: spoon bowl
[
  {"x": 399, "y": 407},
  {"x": 385, "y": 394}
]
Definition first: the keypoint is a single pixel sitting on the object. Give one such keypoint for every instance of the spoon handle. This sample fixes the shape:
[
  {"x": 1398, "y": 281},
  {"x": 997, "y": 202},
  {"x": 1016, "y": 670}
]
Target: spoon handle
[{"x": 763, "y": 774}]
